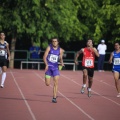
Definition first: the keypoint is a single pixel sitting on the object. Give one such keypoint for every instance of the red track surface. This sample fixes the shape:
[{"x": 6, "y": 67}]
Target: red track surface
[{"x": 25, "y": 97}]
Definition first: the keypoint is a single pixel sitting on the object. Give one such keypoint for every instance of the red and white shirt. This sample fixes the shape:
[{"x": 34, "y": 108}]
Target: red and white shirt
[{"x": 88, "y": 58}]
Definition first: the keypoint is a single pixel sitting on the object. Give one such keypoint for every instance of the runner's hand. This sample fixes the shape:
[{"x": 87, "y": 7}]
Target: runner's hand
[
  {"x": 76, "y": 62},
  {"x": 46, "y": 68}
]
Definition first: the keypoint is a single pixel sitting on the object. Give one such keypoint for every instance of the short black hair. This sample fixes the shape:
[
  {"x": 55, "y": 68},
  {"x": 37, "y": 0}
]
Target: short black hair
[
  {"x": 91, "y": 40},
  {"x": 55, "y": 38},
  {"x": 117, "y": 42}
]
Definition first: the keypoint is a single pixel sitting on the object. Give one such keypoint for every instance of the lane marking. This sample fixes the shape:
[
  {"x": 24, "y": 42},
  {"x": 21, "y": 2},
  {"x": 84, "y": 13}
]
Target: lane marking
[
  {"x": 105, "y": 83},
  {"x": 68, "y": 100},
  {"x": 26, "y": 103},
  {"x": 92, "y": 90},
  {"x": 101, "y": 81}
]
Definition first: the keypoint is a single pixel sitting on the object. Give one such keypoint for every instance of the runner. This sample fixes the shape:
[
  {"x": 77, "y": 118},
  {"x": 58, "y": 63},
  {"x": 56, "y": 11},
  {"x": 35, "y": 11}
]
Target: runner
[
  {"x": 115, "y": 59},
  {"x": 4, "y": 50},
  {"x": 51, "y": 56},
  {"x": 89, "y": 53}
]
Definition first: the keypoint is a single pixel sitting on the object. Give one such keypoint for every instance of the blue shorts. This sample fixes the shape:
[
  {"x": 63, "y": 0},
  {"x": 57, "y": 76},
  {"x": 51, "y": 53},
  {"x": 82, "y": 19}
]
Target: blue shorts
[
  {"x": 52, "y": 71},
  {"x": 116, "y": 70}
]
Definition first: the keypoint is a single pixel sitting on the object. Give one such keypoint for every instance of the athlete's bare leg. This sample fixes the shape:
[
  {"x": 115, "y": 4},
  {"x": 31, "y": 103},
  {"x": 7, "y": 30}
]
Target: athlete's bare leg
[
  {"x": 90, "y": 81},
  {"x": 85, "y": 74},
  {"x": 47, "y": 81},
  {"x": 117, "y": 84},
  {"x": 55, "y": 87}
]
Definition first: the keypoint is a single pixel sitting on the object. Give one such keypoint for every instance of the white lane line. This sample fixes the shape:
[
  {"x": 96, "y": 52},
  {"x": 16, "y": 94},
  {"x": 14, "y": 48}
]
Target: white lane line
[
  {"x": 101, "y": 81},
  {"x": 92, "y": 90},
  {"x": 106, "y": 83},
  {"x": 26, "y": 103},
  {"x": 69, "y": 100}
]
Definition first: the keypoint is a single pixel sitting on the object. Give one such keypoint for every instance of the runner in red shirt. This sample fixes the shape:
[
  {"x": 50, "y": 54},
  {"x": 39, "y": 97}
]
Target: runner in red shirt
[{"x": 89, "y": 54}]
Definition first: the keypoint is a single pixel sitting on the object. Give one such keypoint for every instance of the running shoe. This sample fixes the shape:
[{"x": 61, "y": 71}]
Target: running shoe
[
  {"x": 82, "y": 90},
  {"x": 54, "y": 100},
  {"x": 118, "y": 95},
  {"x": 2, "y": 86},
  {"x": 89, "y": 93}
]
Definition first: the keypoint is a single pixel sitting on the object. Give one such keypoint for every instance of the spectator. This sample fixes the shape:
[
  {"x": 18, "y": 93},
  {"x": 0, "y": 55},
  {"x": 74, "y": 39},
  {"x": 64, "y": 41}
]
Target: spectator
[
  {"x": 102, "y": 51},
  {"x": 34, "y": 54}
]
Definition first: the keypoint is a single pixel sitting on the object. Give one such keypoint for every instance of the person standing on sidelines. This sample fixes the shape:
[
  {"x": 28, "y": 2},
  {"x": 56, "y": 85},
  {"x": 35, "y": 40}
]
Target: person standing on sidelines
[
  {"x": 51, "y": 56},
  {"x": 89, "y": 53},
  {"x": 102, "y": 51},
  {"x": 4, "y": 50},
  {"x": 34, "y": 54},
  {"x": 115, "y": 59}
]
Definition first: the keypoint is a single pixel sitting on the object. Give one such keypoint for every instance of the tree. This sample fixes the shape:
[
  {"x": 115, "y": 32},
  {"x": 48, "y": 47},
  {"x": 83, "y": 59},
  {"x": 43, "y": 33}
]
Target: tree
[
  {"x": 70, "y": 20},
  {"x": 19, "y": 17}
]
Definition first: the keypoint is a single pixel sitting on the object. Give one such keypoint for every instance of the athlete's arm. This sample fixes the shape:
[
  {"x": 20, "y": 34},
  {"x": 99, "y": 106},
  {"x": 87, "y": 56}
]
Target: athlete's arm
[
  {"x": 98, "y": 47},
  {"x": 111, "y": 57},
  {"x": 61, "y": 56},
  {"x": 8, "y": 51},
  {"x": 96, "y": 52},
  {"x": 45, "y": 55},
  {"x": 77, "y": 55}
]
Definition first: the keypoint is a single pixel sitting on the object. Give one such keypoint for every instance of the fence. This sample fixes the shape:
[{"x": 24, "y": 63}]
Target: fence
[{"x": 68, "y": 57}]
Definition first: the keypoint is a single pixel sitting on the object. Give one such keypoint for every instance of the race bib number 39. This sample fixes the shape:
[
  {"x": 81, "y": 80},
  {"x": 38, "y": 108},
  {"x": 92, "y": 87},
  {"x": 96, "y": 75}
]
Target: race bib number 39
[
  {"x": 2, "y": 53},
  {"x": 53, "y": 58},
  {"x": 116, "y": 61},
  {"x": 88, "y": 62}
]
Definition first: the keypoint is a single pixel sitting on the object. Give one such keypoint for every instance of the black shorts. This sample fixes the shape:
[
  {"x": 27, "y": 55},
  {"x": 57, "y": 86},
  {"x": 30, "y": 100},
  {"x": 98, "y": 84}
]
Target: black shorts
[
  {"x": 3, "y": 62},
  {"x": 89, "y": 70}
]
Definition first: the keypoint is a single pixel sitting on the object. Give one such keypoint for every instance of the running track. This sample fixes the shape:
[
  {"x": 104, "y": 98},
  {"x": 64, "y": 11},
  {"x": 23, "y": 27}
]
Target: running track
[{"x": 25, "y": 97}]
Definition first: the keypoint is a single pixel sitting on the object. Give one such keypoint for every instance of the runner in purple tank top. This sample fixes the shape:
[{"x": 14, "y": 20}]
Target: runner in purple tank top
[{"x": 51, "y": 56}]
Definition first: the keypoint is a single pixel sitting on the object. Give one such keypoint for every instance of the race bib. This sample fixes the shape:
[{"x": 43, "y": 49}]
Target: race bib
[
  {"x": 2, "y": 53},
  {"x": 116, "y": 61},
  {"x": 88, "y": 62},
  {"x": 53, "y": 58}
]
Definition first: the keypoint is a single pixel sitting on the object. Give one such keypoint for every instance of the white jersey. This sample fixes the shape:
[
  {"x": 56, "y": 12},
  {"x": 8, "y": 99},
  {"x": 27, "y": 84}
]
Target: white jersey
[{"x": 3, "y": 50}]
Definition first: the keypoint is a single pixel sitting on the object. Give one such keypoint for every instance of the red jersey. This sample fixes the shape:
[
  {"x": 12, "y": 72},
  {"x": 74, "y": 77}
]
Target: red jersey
[{"x": 88, "y": 58}]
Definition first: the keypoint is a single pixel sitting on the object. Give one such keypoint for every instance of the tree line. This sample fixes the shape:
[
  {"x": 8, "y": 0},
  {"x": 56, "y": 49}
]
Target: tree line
[{"x": 69, "y": 20}]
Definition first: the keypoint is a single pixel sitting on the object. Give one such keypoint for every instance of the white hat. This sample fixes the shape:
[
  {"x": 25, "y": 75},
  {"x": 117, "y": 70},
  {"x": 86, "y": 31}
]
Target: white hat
[{"x": 102, "y": 41}]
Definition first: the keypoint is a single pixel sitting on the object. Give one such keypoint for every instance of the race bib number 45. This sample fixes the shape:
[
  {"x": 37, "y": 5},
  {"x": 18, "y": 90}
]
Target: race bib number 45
[
  {"x": 53, "y": 58},
  {"x": 2, "y": 53},
  {"x": 116, "y": 61},
  {"x": 88, "y": 62}
]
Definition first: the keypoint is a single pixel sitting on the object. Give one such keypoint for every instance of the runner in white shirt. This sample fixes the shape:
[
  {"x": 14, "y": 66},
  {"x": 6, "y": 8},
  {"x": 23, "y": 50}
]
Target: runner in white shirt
[{"x": 4, "y": 49}]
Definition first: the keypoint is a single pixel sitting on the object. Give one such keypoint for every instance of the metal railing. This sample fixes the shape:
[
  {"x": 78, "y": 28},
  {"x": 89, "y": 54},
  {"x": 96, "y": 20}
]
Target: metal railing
[{"x": 68, "y": 57}]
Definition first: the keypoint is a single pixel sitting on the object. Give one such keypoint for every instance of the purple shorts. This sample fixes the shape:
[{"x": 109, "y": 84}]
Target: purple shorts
[{"x": 52, "y": 71}]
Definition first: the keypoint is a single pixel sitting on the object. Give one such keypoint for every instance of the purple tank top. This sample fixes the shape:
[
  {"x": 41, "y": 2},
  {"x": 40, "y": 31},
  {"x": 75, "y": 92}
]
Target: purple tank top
[{"x": 53, "y": 56}]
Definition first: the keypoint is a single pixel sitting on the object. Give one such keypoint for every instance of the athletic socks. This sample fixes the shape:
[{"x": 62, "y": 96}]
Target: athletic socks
[
  {"x": 89, "y": 89},
  {"x": 3, "y": 79},
  {"x": 84, "y": 85},
  {"x": 118, "y": 95}
]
